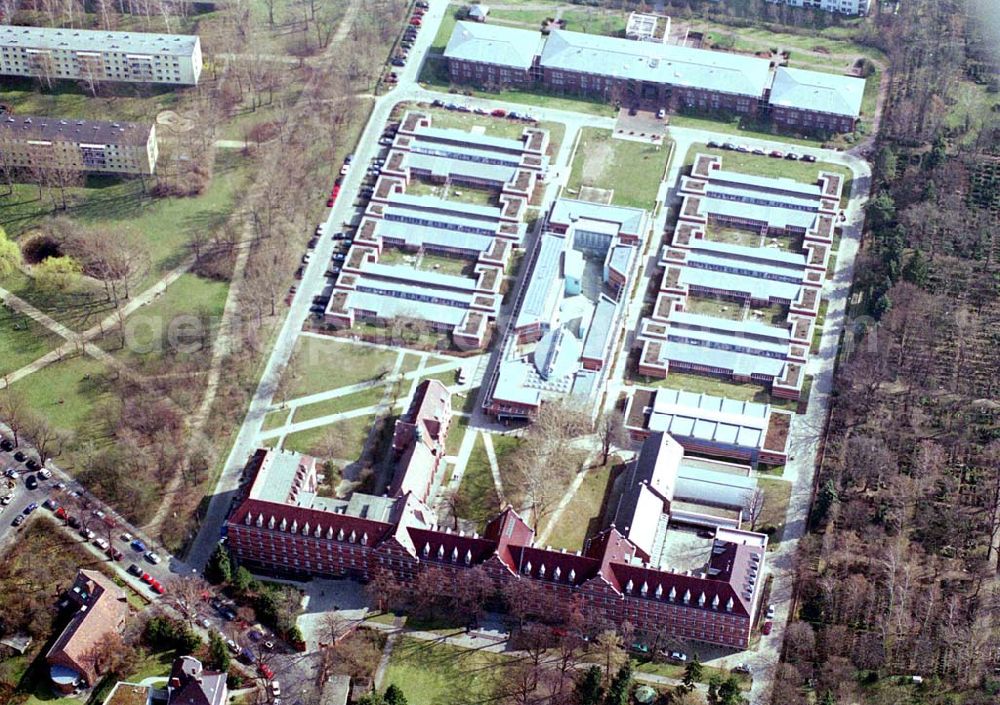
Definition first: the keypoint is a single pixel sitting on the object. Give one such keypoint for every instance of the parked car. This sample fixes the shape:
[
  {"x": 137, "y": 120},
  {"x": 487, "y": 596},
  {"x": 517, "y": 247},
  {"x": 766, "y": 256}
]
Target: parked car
[
  {"x": 398, "y": 61},
  {"x": 770, "y": 611},
  {"x": 248, "y": 656},
  {"x": 661, "y": 114},
  {"x": 30, "y": 508},
  {"x": 759, "y": 152},
  {"x": 12, "y": 473},
  {"x": 45, "y": 473},
  {"x": 138, "y": 546},
  {"x": 713, "y": 144},
  {"x": 792, "y": 155},
  {"x": 743, "y": 148},
  {"x": 276, "y": 688},
  {"x": 742, "y": 668},
  {"x": 156, "y": 587},
  {"x": 6, "y": 499},
  {"x": 776, "y": 153},
  {"x": 61, "y": 513},
  {"x": 729, "y": 145},
  {"x": 133, "y": 569},
  {"x": 152, "y": 557},
  {"x": 415, "y": 21},
  {"x": 73, "y": 522},
  {"x": 18, "y": 520},
  {"x": 113, "y": 553},
  {"x": 31, "y": 482},
  {"x": 146, "y": 578},
  {"x": 422, "y": 4},
  {"x": 766, "y": 629},
  {"x": 678, "y": 656},
  {"x": 7, "y": 445},
  {"x": 20, "y": 457},
  {"x": 265, "y": 670},
  {"x": 126, "y": 537},
  {"x": 807, "y": 158},
  {"x": 101, "y": 543},
  {"x": 86, "y": 533},
  {"x": 498, "y": 112}
]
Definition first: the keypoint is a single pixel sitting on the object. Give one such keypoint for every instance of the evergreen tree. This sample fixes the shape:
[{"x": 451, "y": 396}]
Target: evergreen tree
[
  {"x": 621, "y": 685},
  {"x": 218, "y": 652},
  {"x": 881, "y": 211},
  {"x": 394, "y": 695},
  {"x": 693, "y": 673},
  {"x": 219, "y": 568},
  {"x": 824, "y": 500},
  {"x": 589, "y": 690},
  {"x": 729, "y": 692},
  {"x": 917, "y": 270}
]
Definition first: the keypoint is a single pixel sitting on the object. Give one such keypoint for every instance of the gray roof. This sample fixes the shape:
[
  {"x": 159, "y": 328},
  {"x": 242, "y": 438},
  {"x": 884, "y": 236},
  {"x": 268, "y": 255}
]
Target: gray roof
[
  {"x": 600, "y": 333},
  {"x": 709, "y": 418},
  {"x": 817, "y": 91},
  {"x": 760, "y": 272},
  {"x": 657, "y": 63},
  {"x": 544, "y": 286},
  {"x": 98, "y": 40},
  {"x": 80, "y": 131},
  {"x": 631, "y": 221},
  {"x": 492, "y": 44},
  {"x": 697, "y": 483}
]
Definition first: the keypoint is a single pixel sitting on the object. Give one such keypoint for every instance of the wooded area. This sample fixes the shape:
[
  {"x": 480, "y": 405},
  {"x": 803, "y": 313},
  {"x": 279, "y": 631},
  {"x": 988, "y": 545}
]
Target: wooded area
[{"x": 899, "y": 574}]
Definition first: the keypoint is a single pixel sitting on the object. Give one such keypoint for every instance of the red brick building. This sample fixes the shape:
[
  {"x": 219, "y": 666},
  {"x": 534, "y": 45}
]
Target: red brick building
[
  {"x": 419, "y": 440},
  {"x": 612, "y": 578}
]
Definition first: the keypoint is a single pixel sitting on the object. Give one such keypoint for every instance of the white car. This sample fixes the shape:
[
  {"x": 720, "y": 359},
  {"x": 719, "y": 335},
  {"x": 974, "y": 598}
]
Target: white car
[
  {"x": 6, "y": 499},
  {"x": 45, "y": 473},
  {"x": 678, "y": 656},
  {"x": 770, "y": 611},
  {"x": 126, "y": 537},
  {"x": 152, "y": 557},
  {"x": 101, "y": 544},
  {"x": 276, "y": 688}
]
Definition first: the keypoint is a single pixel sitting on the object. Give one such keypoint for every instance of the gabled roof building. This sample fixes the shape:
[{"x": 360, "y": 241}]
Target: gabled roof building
[
  {"x": 613, "y": 577},
  {"x": 100, "y": 610}
]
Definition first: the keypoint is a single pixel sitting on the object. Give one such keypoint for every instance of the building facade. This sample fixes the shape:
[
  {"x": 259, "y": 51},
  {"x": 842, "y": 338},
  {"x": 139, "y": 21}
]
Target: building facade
[
  {"x": 54, "y": 53},
  {"x": 277, "y": 527},
  {"x": 77, "y": 145},
  {"x": 653, "y": 75},
  {"x": 844, "y": 7}
]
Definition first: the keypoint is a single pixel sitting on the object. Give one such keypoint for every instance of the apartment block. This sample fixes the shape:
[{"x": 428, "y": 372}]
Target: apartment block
[
  {"x": 844, "y": 7},
  {"x": 278, "y": 525},
  {"x": 55, "y": 53},
  {"x": 77, "y": 145}
]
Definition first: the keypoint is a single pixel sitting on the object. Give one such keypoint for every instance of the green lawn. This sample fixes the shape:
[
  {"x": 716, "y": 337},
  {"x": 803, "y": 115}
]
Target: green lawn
[
  {"x": 446, "y": 265},
  {"x": 594, "y": 21},
  {"x": 477, "y": 491},
  {"x": 67, "y": 392},
  {"x": 676, "y": 670},
  {"x": 707, "y": 385},
  {"x": 353, "y": 431},
  {"x": 456, "y": 433},
  {"x": 151, "y": 330},
  {"x": 776, "y": 496},
  {"x": 714, "y": 307},
  {"x": 735, "y": 126},
  {"x": 357, "y": 400},
  {"x": 22, "y": 340},
  {"x": 275, "y": 419},
  {"x": 633, "y": 169},
  {"x": 432, "y": 673},
  {"x": 318, "y": 365},
  {"x": 582, "y": 514},
  {"x": 164, "y": 226},
  {"x": 409, "y": 364}
]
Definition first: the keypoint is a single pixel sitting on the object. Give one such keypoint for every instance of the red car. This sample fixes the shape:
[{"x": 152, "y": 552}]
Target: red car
[
  {"x": 265, "y": 670},
  {"x": 146, "y": 578},
  {"x": 329, "y": 202},
  {"x": 156, "y": 587},
  {"x": 766, "y": 629},
  {"x": 415, "y": 21},
  {"x": 499, "y": 112},
  {"x": 61, "y": 513}
]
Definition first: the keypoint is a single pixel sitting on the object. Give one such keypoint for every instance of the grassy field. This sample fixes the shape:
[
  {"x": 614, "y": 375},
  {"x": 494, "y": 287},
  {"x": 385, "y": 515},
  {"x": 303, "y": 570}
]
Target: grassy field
[
  {"x": 477, "y": 491},
  {"x": 149, "y": 329},
  {"x": 67, "y": 393},
  {"x": 164, "y": 226},
  {"x": 275, "y": 419},
  {"x": 358, "y": 400},
  {"x": 777, "y": 493},
  {"x": 456, "y": 433},
  {"x": 438, "y": 674},
  {"x": 22, "y": 340},
  {"x": 582, "y": 514},
  {"x": 497, "y": 127},
  {"x": 633, "y": 169},
  {"x": 676, "y": 670},
  {"x": 734, "y": 126},
  {"x": 353, "y": 431},
  {"x": 318, "y": 365}
]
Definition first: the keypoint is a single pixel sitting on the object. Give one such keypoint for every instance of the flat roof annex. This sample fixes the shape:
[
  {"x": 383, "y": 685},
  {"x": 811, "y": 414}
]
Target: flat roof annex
[{"x": 18, "y": 127}]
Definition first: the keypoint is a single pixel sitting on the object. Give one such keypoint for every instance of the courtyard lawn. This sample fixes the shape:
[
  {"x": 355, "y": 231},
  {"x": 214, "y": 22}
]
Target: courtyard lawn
[
  {"x": 700, "y": 384},
  {"x": 582, "y": 515},
  {"x": 714, "y": 307},
  {"x": 777, "y": 494},
  {"x": 354, "y": 433},
  {"x": 459, "y": 426},
  {"x": 446, "y": 265},
  {"x": 431, "y": 673},
  {"x": 477, "y": 492},
  {"x": 22, "y": 340},
  {"x": 275, "y": 419},
  {"x": 357, "y": 400},
  {"x": 318, "y": 365},
  {"x": 633, "y": 170}
]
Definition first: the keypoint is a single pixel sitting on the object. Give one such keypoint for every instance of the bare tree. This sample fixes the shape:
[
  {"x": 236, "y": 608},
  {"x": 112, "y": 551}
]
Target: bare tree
[{"x": 611, "y": 431}]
